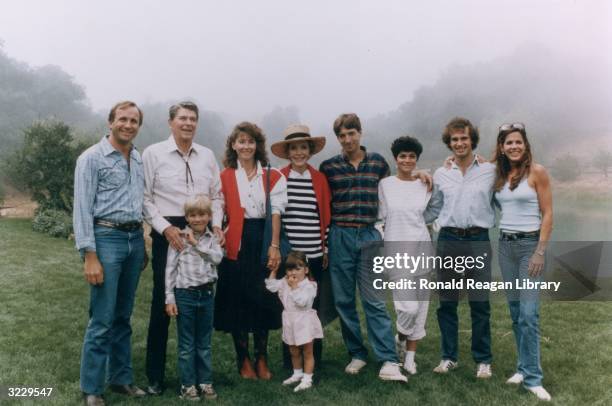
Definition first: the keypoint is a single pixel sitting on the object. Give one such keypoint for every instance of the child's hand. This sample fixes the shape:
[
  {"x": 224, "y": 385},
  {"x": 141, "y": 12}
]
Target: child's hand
[
  {"x": 189, "y": 237},
  {"x": 292, "y": 281},
  {"x": 171, "y": 310}
]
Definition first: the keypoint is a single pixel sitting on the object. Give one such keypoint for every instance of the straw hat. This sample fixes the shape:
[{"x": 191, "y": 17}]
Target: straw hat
[{"x": 295, "y": 133}]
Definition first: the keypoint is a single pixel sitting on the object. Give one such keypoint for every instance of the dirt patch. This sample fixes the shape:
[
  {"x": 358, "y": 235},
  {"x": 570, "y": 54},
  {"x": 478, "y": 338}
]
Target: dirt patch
[{"x": 17, "y": 204}]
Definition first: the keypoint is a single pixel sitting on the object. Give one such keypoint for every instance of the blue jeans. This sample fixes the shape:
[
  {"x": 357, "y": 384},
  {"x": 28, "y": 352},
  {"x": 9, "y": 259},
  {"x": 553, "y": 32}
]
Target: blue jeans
[
  {"x": 107, "y": 346},
  {"x": 194, "y": 328},
  {"x": 450, "y": 244},
  {"x": 344, "y": 261},
  {"x": 524, "y": 307}
]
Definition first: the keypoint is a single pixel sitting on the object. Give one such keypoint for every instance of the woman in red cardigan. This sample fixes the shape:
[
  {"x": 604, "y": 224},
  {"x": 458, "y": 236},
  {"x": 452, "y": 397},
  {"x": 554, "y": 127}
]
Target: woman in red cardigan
[
  {"x": 243, "y": 305},
  {"x": 307, "y": 215}
]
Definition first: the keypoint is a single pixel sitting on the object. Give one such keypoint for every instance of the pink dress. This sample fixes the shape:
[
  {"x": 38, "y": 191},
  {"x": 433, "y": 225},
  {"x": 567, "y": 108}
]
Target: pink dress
[{"x": 301, "y": 324}]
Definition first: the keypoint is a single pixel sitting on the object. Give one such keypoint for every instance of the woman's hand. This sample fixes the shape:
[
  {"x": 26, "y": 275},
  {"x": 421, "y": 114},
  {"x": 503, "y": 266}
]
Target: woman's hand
[
  {"x": 536, "y": 265},
  {"x": 325, "y": 261},
  {"x": 274, "y": 258}
]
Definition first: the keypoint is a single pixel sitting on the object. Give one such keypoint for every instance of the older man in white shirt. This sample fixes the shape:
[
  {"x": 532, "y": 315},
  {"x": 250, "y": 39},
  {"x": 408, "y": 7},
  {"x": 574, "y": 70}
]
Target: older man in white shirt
[
  {"x": 174, "y": 170},
  {"x": 462, "y": 202}
]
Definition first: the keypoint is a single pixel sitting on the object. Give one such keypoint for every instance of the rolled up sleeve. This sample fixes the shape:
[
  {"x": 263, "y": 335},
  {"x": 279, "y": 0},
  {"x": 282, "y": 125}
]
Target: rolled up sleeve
[{"x": 278, "y": 196}]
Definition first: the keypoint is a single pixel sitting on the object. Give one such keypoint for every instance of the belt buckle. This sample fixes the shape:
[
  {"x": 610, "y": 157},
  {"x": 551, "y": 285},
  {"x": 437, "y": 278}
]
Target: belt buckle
[{"x": 462, "y": 232}]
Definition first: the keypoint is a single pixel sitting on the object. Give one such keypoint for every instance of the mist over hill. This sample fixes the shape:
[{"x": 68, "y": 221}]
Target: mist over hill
[{"x": 558, "y": 97}]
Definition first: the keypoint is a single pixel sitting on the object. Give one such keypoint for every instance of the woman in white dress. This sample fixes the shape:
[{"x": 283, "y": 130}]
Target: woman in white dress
[{"x": 403, "y": 199}]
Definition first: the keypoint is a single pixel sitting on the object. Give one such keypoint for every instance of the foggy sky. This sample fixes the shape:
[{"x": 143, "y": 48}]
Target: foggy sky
[{"x": 325, "y": 57}]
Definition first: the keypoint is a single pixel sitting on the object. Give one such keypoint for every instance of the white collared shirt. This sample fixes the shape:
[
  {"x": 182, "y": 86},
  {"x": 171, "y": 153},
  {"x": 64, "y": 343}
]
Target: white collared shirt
[
  {"x": 253, "y": 196},
  {"x": 168, "y": 185},
  {"x": 463, "y": 201}
]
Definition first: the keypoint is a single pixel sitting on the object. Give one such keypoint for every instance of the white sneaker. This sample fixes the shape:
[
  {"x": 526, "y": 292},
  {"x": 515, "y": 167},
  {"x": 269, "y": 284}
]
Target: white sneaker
[
  {"x": 540, "y": 392},
  {"x": 515, "y": 379},
  {"x": 410, "y": 367},
  {"x": 305, "y": 384},
  {"x": 295, "y": 378},
  {"x": 189, "y": 393},
  {"x": 445, "y": 366},
  {"x": 390, "y": 371},
  {"x": 483, "y": 371},
  {"x": 354, "y": 366},
  {"x": 400, "y": 348}
]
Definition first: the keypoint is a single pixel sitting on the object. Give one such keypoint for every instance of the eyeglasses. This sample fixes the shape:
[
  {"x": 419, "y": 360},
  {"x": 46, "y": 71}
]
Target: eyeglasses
[{"x": 513, "y": 126}]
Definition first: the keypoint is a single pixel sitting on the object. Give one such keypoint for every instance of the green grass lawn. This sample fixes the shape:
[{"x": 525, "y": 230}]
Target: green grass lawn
[{"x": 44, "y": 302}]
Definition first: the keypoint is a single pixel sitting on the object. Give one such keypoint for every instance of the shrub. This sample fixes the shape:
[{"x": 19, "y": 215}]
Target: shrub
[
  {"x": 56, "y": 223},
  {"x": 44, "y": 166},
  {"x": 566, "y": 168}
]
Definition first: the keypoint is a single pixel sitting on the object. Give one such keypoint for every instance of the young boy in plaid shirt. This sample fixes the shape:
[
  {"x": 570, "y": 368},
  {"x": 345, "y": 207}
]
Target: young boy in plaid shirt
[{"x": 190, "y": 278}]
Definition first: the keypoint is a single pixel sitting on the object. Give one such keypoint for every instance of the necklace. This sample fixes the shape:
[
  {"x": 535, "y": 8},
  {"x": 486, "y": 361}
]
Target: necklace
[{"x": 251, "y": 175}]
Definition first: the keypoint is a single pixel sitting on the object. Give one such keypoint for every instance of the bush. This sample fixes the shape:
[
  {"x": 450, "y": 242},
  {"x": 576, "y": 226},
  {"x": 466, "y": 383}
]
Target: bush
[
  {"x": 44, "y": 166},
  {"x": 56, "y": 223},
  {"x": 566, "y": 168}
]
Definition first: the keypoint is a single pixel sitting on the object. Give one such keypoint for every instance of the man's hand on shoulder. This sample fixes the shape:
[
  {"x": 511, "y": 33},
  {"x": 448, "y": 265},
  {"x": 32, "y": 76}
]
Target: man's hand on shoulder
[
  {"x": 92, "y": 269},
  {"x": 425, "y": 178},
  {"x": 220, "y": 235},
  {"x": 173, "y": 235}
]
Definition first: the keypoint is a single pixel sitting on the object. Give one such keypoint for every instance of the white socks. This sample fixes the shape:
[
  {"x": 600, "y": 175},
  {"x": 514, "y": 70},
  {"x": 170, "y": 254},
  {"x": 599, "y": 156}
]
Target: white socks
[
  {"x": 409, "y": 357},
  {"x": 306, "y": 377},
  {"x": 298, "y": 372}
]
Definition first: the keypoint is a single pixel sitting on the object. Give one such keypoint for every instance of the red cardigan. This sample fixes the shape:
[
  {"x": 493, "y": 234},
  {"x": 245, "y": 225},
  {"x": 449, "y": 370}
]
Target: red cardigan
[
  {"x": 234, "y": 211},
  {"x": 323, "y": 196}
]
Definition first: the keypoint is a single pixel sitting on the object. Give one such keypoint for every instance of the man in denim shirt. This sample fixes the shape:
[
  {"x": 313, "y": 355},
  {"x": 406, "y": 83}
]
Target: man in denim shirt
[
  {"x": 108, "y": 198},
  {"x": 462, "y": 203}
]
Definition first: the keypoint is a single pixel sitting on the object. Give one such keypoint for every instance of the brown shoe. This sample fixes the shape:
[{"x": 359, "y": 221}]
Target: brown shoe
[
  {"x": 128, "y": 390},
  {"x": 262, "y": 369},
  {"x": 246, "y": 370},
  {"x": 93, "y": 400}
]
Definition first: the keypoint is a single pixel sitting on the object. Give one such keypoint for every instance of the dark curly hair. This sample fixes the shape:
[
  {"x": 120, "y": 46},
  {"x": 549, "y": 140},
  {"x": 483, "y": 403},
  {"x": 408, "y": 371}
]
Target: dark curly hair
[
  {"x": 406, "y": 144},
  {"x": 252, "y": 130},
  {"x": 459, "y": 124}
]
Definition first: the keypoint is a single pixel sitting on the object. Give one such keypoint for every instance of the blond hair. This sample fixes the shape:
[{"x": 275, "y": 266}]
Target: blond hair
[{"x": 199, "y": 204}]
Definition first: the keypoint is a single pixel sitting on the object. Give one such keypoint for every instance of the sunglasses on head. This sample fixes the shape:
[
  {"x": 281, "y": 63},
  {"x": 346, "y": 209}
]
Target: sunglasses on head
[{"x": 513, "y": 126}]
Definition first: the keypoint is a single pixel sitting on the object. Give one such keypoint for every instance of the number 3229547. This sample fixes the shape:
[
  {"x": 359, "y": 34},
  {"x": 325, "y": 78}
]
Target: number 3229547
[{"x": 28, "y": 392}]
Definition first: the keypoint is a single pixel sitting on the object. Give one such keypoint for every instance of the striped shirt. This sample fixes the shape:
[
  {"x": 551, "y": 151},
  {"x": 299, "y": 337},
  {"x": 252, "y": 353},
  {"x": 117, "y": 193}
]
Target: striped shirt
[
  {"x": 301, "y": 219},
  {"x": 195, "y": 265},
  {"x": 355, "y": 191},
  {"x": 107, "y": 188}
]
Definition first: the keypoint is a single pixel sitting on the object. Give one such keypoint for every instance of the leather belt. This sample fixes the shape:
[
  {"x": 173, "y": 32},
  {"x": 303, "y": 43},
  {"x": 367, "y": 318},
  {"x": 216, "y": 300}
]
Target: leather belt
[
  {"x": 464, "y": 232},
  {"x": 505, "y": 236},
  {"x": 129, "y": 226},
  {"x": 206, "y": 286}
]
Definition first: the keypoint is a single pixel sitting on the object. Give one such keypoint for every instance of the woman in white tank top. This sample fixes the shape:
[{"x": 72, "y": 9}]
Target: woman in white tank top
[{"x": 522, "y": 189}]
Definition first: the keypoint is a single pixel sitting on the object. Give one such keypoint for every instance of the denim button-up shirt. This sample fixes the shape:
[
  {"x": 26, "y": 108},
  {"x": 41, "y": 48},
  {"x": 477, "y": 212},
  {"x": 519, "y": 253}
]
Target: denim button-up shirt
[
  {"x": 105, "y": 187},
  {"x": 460, "y": 200}
]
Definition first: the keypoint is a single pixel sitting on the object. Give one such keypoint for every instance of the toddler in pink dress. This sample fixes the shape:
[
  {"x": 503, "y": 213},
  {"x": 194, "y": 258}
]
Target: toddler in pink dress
[{"x": 301, "y": 325}]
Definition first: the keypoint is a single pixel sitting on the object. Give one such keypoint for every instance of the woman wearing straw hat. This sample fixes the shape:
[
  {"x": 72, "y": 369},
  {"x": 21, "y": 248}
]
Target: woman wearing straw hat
[{"x": 307, "y": 215}]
